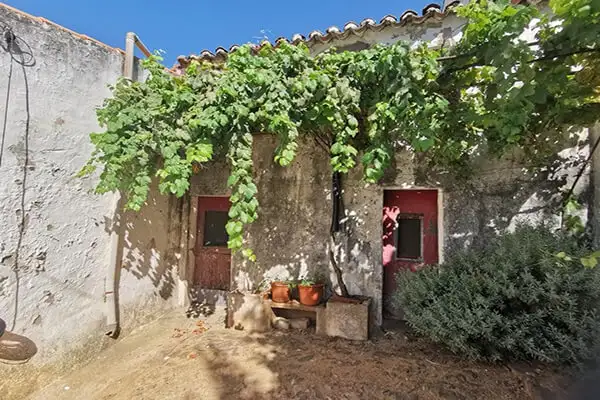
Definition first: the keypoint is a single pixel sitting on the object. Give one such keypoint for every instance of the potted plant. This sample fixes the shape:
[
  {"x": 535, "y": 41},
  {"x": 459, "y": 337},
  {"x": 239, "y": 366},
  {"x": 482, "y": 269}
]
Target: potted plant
[
  {"x": 280, "y": 291},
  {"x": 310, "y": 293}
]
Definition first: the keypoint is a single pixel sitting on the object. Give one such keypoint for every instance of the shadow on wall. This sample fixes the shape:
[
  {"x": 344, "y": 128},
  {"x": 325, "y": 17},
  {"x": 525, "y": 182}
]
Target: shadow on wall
[
  {"x": 148, "y": 244},
  {"x": 203, "y": 302},
  {"x": 200, "y": 308},
  {"x": 500, "y": 197}
]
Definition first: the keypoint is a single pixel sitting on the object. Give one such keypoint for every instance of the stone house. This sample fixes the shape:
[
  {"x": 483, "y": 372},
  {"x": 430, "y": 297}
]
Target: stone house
[
  {"x": 69, "y": 259},
  {"x": 435, "y": 213}
]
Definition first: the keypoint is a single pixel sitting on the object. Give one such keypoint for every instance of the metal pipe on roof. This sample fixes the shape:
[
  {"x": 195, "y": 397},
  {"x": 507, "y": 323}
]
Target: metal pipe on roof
[
  {"x": 131, "y": 41},
  {"x": 129, "y": 65}
]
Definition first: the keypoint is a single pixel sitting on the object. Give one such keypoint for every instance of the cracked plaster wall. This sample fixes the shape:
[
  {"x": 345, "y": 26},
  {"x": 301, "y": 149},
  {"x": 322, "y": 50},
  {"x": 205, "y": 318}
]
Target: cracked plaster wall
[
  {"x": 65, "y": 248},
  {"x": 291, "y": 236}
]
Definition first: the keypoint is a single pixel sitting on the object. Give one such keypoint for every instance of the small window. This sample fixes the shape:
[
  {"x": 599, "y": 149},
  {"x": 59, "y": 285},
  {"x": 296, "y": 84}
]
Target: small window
[
  {"x": 409, "y": 237},
  {"x": 215, "y": 234}
]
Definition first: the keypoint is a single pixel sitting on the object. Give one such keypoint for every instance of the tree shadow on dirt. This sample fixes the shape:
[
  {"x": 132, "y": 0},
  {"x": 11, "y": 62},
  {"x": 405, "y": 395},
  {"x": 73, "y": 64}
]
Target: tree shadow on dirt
[
  {"x": 301, "y": 365},
  {"x": 204, "y": 302}
]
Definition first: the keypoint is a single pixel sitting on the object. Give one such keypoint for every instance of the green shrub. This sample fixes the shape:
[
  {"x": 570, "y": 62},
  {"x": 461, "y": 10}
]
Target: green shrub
[{"x": 513, "y": 299}]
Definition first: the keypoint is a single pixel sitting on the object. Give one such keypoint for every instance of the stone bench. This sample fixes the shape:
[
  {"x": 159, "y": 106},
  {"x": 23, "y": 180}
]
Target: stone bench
[
  {"x": 297, "y": 312},
  {"x": 252, "y": 312}
]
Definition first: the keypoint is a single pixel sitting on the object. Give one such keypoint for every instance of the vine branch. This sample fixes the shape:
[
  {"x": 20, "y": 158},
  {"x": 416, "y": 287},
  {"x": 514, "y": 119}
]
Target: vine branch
[{"x": 358, "y": 107}]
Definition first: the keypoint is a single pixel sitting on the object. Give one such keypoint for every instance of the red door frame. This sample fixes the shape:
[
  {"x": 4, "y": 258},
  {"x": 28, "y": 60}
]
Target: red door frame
[
  {"x": 212, "y": 266},
  {"x": 418, "y": 203}
]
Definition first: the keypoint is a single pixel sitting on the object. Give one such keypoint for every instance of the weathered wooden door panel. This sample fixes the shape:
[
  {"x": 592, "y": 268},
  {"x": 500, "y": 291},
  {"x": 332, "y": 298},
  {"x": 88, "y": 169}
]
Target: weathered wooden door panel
[
  {"x": 410, "y": 237},
  {"x": 213, "y": 258}
]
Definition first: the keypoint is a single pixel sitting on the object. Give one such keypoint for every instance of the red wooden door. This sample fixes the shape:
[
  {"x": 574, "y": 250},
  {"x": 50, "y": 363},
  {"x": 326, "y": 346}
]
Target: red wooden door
[
  {"x": 410, "y": 237},
  {"x": 213, "y": 258}
]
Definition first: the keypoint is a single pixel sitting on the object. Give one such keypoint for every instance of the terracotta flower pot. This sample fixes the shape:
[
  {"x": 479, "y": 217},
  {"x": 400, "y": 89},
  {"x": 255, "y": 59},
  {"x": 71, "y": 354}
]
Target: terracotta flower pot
[
  {"x": 280, "y": 292},
  {"x": 311, "y": 295}
]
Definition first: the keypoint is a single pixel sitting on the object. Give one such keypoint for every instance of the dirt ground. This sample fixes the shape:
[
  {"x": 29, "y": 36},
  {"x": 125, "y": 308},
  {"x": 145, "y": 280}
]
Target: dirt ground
[{"x": 180, "y": 358}]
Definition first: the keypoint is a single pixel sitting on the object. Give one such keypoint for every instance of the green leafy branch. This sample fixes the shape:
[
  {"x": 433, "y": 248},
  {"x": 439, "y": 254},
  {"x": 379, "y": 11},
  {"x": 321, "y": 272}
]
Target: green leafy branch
[{"x": 491, "y": 92}]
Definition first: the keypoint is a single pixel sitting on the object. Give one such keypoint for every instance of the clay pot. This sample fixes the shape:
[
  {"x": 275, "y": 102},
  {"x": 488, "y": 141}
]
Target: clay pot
[
  {"x": 280, "y": 292},
  {"x": 310, "y": 295}
]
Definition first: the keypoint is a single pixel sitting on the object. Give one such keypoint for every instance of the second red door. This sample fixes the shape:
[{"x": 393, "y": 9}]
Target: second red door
[{"x": 410, "y": 238}]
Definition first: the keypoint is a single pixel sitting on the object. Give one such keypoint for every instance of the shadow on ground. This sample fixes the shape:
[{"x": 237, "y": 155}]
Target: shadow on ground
[{"x": 179, "y": 358}]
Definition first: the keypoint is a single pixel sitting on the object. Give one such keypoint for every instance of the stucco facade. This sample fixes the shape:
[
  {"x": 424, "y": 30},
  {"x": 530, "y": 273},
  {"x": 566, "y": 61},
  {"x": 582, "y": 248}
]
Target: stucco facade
[
  {"x": 53, "y": 268},
  {"x": 291, "y": 236}
]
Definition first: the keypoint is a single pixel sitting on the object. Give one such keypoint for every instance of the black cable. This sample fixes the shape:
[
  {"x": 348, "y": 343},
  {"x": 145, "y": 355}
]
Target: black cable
[
  {"x": 581, "y": 171},
  {"x": 23, "y": 191},
  {"x": 15, "y": 46},
  {"x": 336, "y": 194},
  {"x": 20, "y": 52},
  {"x": 10, "y": 70}
]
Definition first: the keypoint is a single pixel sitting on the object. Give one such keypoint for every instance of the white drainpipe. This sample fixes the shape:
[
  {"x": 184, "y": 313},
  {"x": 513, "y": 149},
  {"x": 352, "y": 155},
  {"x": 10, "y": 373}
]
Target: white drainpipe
[
  {"x": 113, "y": 273},
  {"x": 111, "y": 285}
]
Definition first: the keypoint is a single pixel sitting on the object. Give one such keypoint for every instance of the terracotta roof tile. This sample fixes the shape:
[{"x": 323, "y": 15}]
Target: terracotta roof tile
[{"x": 430, "y": 11}]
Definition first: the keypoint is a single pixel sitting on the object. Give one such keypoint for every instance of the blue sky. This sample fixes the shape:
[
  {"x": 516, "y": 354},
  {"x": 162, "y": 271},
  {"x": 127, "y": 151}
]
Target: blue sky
[{"x": 187, "y": 27}]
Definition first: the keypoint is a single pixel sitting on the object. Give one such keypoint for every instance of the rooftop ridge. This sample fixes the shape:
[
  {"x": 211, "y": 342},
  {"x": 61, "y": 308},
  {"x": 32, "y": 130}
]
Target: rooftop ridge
[
  {"x": 408, "y": 17},
  {"x": 62, "y": 28}
]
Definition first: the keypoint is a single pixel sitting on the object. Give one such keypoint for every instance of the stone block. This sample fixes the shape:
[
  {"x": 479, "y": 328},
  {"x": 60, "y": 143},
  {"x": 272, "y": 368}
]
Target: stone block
[
  {"x": 299, "y": 323},
  {"x": 346, "y": 320},
  {"x": 248, "y": 312},
  {"x": 281, "y": 323}
]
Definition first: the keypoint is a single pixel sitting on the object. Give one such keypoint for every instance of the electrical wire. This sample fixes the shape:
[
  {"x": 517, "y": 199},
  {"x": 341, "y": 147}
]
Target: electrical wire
[
  {"x": 16, "y": 47},
  {"x": 581, "y": 171},
  {"x": 23, "y": 191},
  {"x": 10, "y": 70},
  {"x": 20, "y": 53}
]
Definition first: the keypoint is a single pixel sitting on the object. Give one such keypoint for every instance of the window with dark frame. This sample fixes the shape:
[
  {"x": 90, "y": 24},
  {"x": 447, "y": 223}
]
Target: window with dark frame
[
  {"x": 409, "y": 234},
  {"x": 215, "y": 234}
]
